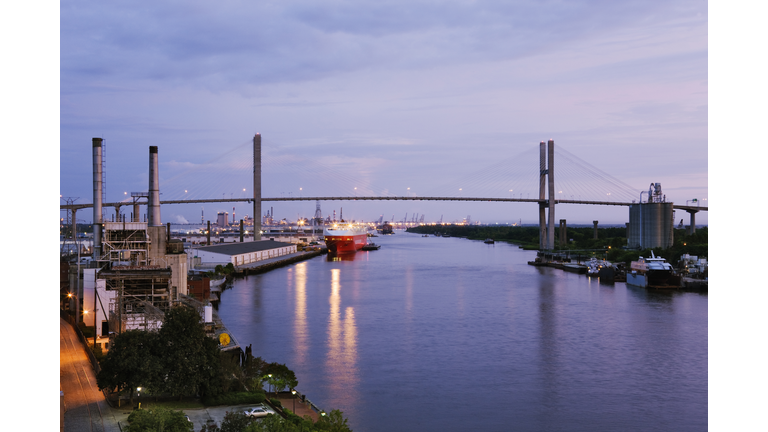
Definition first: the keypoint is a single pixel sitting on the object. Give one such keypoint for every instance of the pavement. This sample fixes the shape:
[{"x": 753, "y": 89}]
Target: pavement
[{"x": 86, "y": 408}]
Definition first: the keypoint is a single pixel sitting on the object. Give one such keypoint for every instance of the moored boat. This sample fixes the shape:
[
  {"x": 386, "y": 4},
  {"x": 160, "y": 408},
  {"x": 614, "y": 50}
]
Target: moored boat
[
  {"x": 593, "y": 267},
  {"x": 574, "y": 268},
  {"x": 345, "y": 237},
  {"x": 488, "y": 241},
  {"x": 654, "y": 272}
]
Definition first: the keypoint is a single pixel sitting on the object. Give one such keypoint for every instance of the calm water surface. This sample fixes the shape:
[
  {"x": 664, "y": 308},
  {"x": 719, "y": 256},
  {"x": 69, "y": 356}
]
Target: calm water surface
[{"x": 449, "y": 334}]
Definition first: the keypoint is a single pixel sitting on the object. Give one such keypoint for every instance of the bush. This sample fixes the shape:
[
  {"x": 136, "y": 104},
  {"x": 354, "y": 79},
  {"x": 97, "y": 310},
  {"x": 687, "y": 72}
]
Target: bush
[
  {"x": 235, "y": 398},
  {"x": 276, "y": 402},
  {"x": 97, "y": 352}
]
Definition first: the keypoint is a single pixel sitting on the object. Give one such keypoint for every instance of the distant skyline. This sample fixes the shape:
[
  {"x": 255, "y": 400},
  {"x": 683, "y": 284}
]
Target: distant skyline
[{"x": 390, "y": 95}]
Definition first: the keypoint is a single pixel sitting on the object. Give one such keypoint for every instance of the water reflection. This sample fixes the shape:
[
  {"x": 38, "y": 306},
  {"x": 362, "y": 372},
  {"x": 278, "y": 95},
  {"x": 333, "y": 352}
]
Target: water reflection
[
  {"x": 331, "y": 257},
  {"x": 342, "y": 342},
  {"x": 549, "y": 349},
  {"x": 300, "y": 330}
]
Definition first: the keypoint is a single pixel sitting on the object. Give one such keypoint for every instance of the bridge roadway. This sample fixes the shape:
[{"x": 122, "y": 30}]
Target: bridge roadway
[{"x": 386, "y": 198}]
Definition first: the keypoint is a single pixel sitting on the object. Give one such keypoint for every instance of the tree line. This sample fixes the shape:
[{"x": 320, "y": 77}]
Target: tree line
[{"x": 611, "y": 240}]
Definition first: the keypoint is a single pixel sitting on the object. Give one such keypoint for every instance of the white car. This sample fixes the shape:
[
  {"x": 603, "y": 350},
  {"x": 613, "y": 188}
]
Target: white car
[{"x": 259, "y": 411}]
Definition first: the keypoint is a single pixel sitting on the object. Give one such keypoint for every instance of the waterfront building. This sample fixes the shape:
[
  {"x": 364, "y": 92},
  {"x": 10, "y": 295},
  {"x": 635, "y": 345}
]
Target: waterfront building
[{"x": 240, "y": 254}]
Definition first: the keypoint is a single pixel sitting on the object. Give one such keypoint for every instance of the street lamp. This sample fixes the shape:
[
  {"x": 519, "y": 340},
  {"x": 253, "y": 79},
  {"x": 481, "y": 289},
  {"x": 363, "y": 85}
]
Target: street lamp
[{"x": 293, "y": 392}]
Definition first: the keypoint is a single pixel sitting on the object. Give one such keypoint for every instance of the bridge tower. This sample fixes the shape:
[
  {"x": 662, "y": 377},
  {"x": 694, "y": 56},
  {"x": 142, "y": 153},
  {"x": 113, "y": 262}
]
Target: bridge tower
[
  {"x": 551, "y": 184},
  {"x": 547, "y": 172},
  {"x": 257, "y": 187},
  {"x": 542, "y": 195}
]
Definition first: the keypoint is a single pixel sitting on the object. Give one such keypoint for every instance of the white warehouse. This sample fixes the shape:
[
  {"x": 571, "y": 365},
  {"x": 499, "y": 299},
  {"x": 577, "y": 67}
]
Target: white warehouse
[{"x": 241, "y": 253}]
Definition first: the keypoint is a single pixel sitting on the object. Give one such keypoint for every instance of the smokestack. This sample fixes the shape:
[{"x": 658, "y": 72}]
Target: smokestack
[
  {"x": 257, "y": 187},
  {"x": 97, "y": 194},
  {"x": 153, "y": 207}
]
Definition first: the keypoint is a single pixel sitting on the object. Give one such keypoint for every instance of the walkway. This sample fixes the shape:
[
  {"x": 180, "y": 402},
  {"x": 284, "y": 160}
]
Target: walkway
[{"x": 86, "y": 407}]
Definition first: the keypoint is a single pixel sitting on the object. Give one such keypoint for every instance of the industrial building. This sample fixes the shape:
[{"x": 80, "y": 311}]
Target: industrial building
[
  {"x": 240, "y": 254},
  {"x": 136, "y": 272},
  {"x": 651, "y": 223}
]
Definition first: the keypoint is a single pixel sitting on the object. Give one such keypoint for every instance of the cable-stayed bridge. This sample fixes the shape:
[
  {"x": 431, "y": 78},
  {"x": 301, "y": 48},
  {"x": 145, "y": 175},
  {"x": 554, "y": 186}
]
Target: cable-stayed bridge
[{"x": 255, "y": 177}]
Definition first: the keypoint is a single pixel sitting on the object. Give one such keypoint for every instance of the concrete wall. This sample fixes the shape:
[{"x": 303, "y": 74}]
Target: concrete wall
[
  {"x": 92, "y": 285},
  {"x": 179, "y": 269}
]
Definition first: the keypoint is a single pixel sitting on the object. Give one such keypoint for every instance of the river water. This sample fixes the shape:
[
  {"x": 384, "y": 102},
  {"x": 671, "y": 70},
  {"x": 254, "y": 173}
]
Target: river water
[{"x": 449, "y": 334}]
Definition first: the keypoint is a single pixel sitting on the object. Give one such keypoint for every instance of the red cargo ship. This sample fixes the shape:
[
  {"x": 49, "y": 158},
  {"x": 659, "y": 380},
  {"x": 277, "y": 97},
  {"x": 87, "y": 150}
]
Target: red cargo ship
[{"x": 345, "y": 237}]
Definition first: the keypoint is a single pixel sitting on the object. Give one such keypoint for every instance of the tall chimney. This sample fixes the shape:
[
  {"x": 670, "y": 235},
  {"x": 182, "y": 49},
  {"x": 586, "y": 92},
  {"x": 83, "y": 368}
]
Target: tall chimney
[
  {"x": 153, "y": 206},
  {"x": 551, "y": 176},
  {"x": 97, "y": 193},
  {"x": 257, "y": 187}
]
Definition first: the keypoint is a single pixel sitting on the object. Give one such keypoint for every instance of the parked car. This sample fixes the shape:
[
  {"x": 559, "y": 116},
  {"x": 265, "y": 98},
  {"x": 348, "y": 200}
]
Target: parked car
[{"x": 259, "y": 411}]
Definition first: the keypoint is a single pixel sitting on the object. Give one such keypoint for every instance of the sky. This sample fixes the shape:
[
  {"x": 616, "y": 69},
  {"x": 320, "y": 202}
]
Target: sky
[{"x": 384, "y": 96}]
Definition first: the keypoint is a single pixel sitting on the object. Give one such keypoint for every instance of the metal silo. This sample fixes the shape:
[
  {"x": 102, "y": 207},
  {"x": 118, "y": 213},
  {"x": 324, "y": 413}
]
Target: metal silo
[{"x": 651, "y": 223}]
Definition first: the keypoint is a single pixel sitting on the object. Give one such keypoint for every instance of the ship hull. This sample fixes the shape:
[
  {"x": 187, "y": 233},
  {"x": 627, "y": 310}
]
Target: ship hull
[
  {"x": 345, "y": 244},
  {"x": 656, "y": 280}
]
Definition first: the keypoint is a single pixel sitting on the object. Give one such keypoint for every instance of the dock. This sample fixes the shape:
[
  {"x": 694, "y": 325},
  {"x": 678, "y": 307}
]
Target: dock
[{"x": 273, "y": 263}]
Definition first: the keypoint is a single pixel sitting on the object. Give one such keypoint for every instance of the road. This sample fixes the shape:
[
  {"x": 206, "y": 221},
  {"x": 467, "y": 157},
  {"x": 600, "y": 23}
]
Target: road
[{"x": 86, "y": 407}]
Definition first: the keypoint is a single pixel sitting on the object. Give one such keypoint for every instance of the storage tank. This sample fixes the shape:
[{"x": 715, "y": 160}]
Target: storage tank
[
  {"x": 208, "y": 313},
  {"x": 651, "y": 225}
]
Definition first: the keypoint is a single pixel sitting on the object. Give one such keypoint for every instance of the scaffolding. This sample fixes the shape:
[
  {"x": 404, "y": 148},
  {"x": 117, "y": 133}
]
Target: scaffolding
[
  {"x": 125, "y": 242},
  {"x": 143, "y": 296}
]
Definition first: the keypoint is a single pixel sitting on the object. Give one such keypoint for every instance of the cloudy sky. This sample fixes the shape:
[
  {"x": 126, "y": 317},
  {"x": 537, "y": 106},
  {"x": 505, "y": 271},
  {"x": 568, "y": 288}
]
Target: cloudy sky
[{"x": 392, "y": 97}]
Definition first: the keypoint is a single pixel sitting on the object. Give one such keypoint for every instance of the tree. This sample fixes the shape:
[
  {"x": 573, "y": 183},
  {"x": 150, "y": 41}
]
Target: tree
[
  {"x": 131, "y": 362},
  {"x": 235, "y": 421},
  {"x": 281, "y": 376},
  {"x": 333, "y": 422},
  {"x": 190, "y": 358},
  {"x": 275, "y": 423},
  {"x": 158, "y": 419}
]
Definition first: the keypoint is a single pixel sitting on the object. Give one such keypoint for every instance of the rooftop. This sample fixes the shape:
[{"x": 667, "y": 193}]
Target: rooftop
[{"x": 244, "y": 247}]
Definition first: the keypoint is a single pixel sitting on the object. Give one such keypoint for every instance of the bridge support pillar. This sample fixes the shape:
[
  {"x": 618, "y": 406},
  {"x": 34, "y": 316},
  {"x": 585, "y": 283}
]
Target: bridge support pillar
[
  {"x": 208, "y": 234},
  {"x": 595, "y": 230},
  {"x": 542, "y": 195},
  {"x": 693, "y": 220},
  {"x": 563, "y": 237},
  {"x": 551, "y": 176},
  {"x": 241, "y": 231},
  {"x": 257, "y": 187}
]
